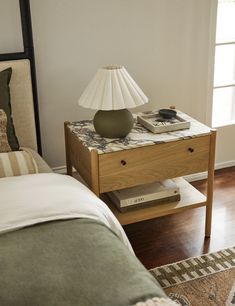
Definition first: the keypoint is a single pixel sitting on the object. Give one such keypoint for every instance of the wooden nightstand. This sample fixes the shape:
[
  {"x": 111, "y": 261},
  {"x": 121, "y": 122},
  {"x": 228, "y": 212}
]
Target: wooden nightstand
[{"x": 141, "y": 158}]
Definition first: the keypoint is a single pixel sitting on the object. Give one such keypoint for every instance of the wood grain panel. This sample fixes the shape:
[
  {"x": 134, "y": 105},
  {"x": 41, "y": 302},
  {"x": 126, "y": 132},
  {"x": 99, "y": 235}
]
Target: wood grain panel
[
  {"x": 143, "y": 165},
  {"x": 80, "y": 158}
]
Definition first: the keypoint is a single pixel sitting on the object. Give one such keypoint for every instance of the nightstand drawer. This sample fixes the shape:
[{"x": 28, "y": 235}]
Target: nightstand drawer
[{"x": 147, "y": 164}]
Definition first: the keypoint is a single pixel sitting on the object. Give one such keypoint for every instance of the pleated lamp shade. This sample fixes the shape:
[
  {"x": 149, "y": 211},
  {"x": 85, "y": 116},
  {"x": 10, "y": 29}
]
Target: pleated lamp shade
[{"x": 112, "y": 88}]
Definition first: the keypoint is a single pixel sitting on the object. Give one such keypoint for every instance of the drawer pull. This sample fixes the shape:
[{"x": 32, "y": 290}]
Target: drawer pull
[
  {"x": 123, "y": 162},
  {"x": 191, "y": 150}
]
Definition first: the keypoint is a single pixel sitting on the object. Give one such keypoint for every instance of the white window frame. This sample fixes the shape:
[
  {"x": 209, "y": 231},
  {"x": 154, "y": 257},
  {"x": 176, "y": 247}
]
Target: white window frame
[
  {"x": 212, "y": 49},
  {"x": 211, "y": 59}
]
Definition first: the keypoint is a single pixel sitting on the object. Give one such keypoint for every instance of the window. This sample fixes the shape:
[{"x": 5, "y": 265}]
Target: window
[{"x": 223, "y": 111}]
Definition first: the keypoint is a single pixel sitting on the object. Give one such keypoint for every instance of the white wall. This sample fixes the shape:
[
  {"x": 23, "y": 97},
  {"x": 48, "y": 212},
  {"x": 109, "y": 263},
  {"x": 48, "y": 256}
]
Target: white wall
[
  {"x": 10, "y": 27},
  {"x": 164, "y": 44}
]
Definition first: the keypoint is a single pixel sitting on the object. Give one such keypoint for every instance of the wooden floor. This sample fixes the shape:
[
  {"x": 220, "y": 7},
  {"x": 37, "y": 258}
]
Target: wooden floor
[{"x": 176, "y": 237}]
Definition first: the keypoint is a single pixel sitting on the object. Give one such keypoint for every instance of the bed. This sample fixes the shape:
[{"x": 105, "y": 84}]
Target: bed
[{"x": 59, "y": 243}]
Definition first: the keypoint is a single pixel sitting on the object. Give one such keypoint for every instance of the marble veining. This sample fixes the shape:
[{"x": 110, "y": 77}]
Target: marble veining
[{"x": 139, "y": 136}]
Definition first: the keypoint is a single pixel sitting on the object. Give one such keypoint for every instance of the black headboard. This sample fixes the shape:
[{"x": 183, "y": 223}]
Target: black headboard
[{"x": 28, "y": 53}]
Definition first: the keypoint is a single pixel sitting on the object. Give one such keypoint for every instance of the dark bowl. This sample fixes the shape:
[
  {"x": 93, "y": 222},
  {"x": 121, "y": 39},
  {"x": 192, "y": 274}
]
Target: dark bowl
[{"x": 167, "y": 113}]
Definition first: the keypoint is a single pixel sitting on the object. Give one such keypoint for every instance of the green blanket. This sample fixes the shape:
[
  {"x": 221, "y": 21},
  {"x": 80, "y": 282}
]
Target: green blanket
[{"x": 73, "y": 262}]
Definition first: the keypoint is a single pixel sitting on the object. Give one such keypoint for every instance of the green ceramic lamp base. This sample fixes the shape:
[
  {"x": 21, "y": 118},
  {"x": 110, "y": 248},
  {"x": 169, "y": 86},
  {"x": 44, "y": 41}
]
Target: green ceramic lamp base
[{"x": 113, "y": 123}]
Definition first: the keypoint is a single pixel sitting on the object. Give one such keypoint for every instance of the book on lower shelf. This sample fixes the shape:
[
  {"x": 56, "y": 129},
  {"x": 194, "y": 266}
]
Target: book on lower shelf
[{"x": 145, "y": 195}]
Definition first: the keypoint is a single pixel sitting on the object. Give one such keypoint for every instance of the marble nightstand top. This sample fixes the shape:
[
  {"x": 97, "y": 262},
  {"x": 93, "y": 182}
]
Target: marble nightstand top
[{"x": 138, "y": 137}]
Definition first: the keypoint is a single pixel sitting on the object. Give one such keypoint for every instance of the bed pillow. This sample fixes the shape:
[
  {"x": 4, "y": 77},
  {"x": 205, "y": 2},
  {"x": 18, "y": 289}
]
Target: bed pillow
[
  {"x": 17, "y": 163},
  {"x": 5, "y": 107},
  {"x": 4, "y": 144}
]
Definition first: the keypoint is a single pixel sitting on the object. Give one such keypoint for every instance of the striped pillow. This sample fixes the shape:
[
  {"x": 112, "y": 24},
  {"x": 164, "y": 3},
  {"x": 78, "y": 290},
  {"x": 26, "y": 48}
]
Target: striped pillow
[{"x": 17, "y": 163}]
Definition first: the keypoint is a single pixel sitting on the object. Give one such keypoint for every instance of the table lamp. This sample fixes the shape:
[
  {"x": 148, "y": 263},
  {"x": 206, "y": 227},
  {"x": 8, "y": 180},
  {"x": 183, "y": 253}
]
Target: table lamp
[{"x": 112, "y": 91}]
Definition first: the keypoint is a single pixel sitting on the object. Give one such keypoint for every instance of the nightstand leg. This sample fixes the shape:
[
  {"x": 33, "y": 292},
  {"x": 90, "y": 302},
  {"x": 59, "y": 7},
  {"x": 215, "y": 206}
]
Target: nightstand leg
[
  {"x": 67, "y": 150},
  {"x": 69, "y": 167},
  {"x": 210, "y": 183},
  {"x": 95, "y": 173}
]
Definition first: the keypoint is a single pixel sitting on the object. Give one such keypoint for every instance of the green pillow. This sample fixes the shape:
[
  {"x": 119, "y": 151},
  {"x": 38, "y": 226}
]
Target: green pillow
[{"x": 5, "y": 105}]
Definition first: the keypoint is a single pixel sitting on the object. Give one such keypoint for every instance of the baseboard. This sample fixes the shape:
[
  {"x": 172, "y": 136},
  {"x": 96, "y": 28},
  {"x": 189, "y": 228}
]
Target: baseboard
[
  {"x": 189, "y": 178},
  {"x": 203, "y": 175},
  {"x": 60, "y": 170},
  {"x": 227, "y": 164}
]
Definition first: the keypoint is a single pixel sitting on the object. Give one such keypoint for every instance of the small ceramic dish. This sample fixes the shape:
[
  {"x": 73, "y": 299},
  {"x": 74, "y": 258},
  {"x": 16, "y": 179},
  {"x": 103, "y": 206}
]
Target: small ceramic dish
[{"x": 167, "y": 113}]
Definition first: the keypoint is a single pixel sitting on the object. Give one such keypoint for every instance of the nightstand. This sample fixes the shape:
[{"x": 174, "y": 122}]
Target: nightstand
[{"x": 143, "y": 157}]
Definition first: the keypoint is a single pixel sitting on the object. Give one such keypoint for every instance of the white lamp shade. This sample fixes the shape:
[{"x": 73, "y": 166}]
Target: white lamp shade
[{"x": 112, "y": 88}]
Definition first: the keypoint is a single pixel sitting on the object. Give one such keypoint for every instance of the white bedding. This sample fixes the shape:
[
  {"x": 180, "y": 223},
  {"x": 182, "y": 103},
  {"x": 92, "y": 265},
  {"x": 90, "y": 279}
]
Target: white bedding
[{"x": 31, "y": 199}]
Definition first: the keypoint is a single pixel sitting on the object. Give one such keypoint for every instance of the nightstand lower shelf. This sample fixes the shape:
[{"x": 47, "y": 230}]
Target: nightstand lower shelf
[{"x": 190, "y": 198}]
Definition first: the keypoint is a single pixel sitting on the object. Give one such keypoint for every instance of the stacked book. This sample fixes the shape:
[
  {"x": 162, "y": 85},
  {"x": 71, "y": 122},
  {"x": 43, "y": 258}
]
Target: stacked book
[{"x": 145, "y": 195}]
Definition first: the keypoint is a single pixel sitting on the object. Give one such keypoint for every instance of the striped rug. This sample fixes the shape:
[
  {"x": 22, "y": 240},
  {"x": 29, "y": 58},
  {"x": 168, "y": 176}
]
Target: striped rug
[{"x": 207, "y": 280}]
